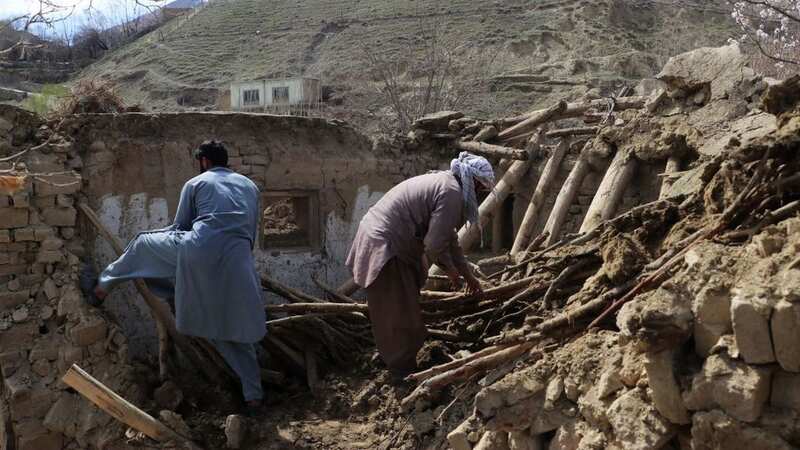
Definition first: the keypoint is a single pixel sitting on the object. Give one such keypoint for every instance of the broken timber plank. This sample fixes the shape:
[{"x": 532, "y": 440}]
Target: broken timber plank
[
  {"x": 496, "y": 151},
  {"x": 119, "y": 408}
]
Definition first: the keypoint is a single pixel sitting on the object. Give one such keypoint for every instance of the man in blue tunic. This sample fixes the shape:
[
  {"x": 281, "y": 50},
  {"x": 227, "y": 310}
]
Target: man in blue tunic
[{"x": 205, "y": 261}]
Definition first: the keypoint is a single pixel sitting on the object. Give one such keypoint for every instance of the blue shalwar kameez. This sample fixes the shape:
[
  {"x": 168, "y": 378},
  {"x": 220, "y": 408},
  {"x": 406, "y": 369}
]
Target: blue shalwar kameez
[{"x": 205, "y": 261}]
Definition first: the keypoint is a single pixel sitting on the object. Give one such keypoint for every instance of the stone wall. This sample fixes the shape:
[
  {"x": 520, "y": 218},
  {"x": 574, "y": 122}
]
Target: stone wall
[{"x": 45, "y": 325}]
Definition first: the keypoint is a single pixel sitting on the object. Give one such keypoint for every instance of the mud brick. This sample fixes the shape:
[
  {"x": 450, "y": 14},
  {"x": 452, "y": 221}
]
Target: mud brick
[
  {"x": 59, "y": 217},
  {"x": 13, "y": 247},
  {"x": 235, "y": 161},
  {"x": 9, "y": 300},
  {"x": 24, "y": 234},
  {"x": 49, "y": 256},
  {"x": 13, "y": 269},
  {"x": 5, "y": 201},
  {"x": 5, "y": 258},
  {"x": 52, "y": 243},
  {"x": 85, "y": 334},
  {"x": 20, "y": 200},
  {"x": 5, "y": 236},
  {"x": 48, "y": 201},
  {"x": 42, "y": 233},
  {"x": 67, "y": 356},
  {"x": 245, "y": 170},
  {"x": 31, "y": 435},
  {"x": 35, "y": 406},
  {"x": 14, "y": 218},
  {"x": 70, "y": 185}
]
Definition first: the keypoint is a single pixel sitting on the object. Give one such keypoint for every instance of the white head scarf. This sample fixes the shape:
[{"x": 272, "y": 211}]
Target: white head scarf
[{"x": 468, "y": 167}]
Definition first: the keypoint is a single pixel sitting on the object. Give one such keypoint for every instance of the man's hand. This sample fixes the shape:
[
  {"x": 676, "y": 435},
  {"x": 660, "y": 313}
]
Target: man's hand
[
  {"x": 455, "y": 280},
  {"x": 474, "y": 286}
]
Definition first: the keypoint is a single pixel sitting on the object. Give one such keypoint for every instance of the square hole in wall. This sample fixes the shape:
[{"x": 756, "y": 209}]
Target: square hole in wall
[{"x": 290, "y": 220}]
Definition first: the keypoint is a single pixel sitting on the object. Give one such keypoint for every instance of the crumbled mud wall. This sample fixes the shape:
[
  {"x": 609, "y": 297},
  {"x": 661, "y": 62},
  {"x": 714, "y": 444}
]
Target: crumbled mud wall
[{"x": 136, "y": 164}]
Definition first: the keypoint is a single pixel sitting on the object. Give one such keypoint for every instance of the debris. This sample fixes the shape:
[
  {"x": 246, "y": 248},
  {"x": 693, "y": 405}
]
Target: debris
[{"x": 234, "y": 430}]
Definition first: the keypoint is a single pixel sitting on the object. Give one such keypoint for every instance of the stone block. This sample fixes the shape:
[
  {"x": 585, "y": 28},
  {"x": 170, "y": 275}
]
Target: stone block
[
  {"x": 786, "y": 390},
  {"x": 59, "y": 217},
  {"x": 785, "y": 326},
  {"x": 24, "y": 234},
  {"x": 88, "y": 332},
  {"x": 67, "y": 184},
  {"x": 5, "y": 236},
  {"x": 52, "y": 243},
  {"x": 41, "y": 234},
  {"x": 636, "y": 423},
  {"x": 14, "y": 218},
  {"x": 751, "y": 328},
  {"x": 712, "y": 317},
  {"x": 666, "y": 393},
  {"x": 740, "y": 389},
  {"x": 49, "y": 256},
  {"x": 5, "y": 258},
  {"x": 45, "y": 202},
  {"x": 10, "y": 300}
]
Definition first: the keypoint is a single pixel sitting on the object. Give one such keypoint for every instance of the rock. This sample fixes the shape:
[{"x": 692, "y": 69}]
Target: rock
[
  {"x": 486, "y": 133},
  {"x": 767, "y": 245},
  {"x": 593, "y": 408},
  {"x": 46, "y": 313},
  {"x": 458, "y": 438},
  {"x": 609, "y": 383},
  {"x": 63, "y": 415},
  {"x": 493, "y": 440},
  {"x": 437, "y": 121},
  {"x": 712, "y": 317},
  {"x": 666, "y": 393},
  {"x": 782, "y": 96},
  {"x": 176, "y": 423},
  {"x": 656, "y": 320},
  {"x": 714, "y": 430},
  {"x": 59, "y": 217},
  {"x": 234, "y": 430},
  {"x": 519, "y": 440},
  {"x": 88, "y": 331},
  {"x": 722, "y": 71},
  {"x": 785, "y": 390},
  {"x": 741, "y": 390},
  {"x": 522, "y": 388},
  {"x": 636, "y": 423},
  {"x": 785, "y": 327},
  {"x": 553, "y": 392},
  {"x": 14, "y": 218},
  {"x": 168, "y": 395},
  {"x": 50, "y": 289},
  {"x": 20, "y": 315},
  {"x": 750, "y": 320}
]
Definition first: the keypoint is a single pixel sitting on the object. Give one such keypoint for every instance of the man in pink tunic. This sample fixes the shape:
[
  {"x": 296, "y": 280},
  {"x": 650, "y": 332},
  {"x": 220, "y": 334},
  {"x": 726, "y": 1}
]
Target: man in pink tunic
[{"x": 413, "y": 224}]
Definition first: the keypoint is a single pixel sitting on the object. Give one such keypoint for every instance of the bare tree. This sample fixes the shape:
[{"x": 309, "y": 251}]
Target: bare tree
[{"x": 772, "y": 27}]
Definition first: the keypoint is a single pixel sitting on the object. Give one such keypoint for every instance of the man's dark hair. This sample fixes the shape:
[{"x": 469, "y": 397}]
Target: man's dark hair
[{"x": 214, "y": 151}]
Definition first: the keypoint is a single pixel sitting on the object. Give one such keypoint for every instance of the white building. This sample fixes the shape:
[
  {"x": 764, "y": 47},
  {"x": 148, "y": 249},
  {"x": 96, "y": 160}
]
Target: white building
[{"x": 290, "y": 94}]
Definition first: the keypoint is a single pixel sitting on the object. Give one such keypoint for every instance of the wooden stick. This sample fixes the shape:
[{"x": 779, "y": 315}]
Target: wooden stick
[
  {"x": 441, "y": 368},
  {"x": 566, "y": 196},
  {"x": 119, "y": 408},
  {"x": 549, "y": 173},
  {"x": 609, "y": 195},
  {"x": 575, "y": 131},
  {"x": 341, "y": 298},
  {"x": 673, "y": 167},
  {"x": 159, "y": 308},
  {"x": 580, "y": 108},
  {"x": 317, "y": 308},
  {"x": 293, "y": 355},
  {"x": 534, "y": 120},
  {"x": 293, "y": 295},
  {"x": 348, "y": 288},
  {"x": 460, "y": 300},
  {"x": 490, "y": 150}
]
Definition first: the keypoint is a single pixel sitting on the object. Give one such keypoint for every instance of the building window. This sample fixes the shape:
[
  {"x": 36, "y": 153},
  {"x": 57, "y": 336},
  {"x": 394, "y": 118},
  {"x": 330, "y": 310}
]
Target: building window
[
  {"x": 251, "y": 97},
  {"x": 290, "y": 220},
  {"x": 280, "y": 94}
]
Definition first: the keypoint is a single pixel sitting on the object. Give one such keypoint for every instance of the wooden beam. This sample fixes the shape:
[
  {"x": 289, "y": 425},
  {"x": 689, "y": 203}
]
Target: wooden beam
[
  {"x": 317, "y": 308},
  {"x": 119, "y": 408},
  {"x": 673, "y": 167},
  {"x": 495, "y": 151},
  {"x": 534, "y": 120},
  {"x": 566, "y": 196},
  {"x": 609, "y": 195},
  {"x": 577, "y": 109},
  {"x": 575, "y": 131},
  {"x": 536, "y": 204}
]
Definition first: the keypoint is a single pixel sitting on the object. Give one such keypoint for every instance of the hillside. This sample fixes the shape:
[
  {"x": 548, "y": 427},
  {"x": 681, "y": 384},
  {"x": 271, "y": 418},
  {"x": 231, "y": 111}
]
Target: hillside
[{"x": 573, "y": 45}]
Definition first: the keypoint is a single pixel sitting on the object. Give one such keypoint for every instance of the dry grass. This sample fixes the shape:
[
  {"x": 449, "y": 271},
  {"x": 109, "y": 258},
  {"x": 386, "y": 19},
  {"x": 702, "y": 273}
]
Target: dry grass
[{"x": 91, "y": 96}]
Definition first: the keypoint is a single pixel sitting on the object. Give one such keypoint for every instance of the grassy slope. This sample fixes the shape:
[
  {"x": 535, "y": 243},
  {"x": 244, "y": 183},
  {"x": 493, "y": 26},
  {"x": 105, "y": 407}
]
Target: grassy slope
[{"x": 593, "y": 43}]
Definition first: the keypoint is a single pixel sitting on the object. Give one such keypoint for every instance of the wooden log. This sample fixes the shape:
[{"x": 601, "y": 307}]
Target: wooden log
[
  {"x": 609, "y": 195},
  {"x": 468, "y": 235},
  {"x": 295, "y": 357},
  {"x": 160, "y": 309},
  {"x": 312, "y": 374},
  {"x": 335, "y": 296},
  {"x": 348, "y": 288},
  {"x": 534, "y": 120},
  {"x": 566, "y": 196},
  {"x": 575, "y": 131},
  {"x": 547, "y": 177},
  {"x": 441, "y": 368},
  {"x": 673, "y": 166},
  {"x": 578, "y": 109},
  {"x": 488, "y": 132},
  {"x": 293, "y": 295},
  {"x": 317, "y": 308},
  {"x": 497, "y": 231},
  {"x": 119, "y": 408},
  {"x": 495, "y": 151}
]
